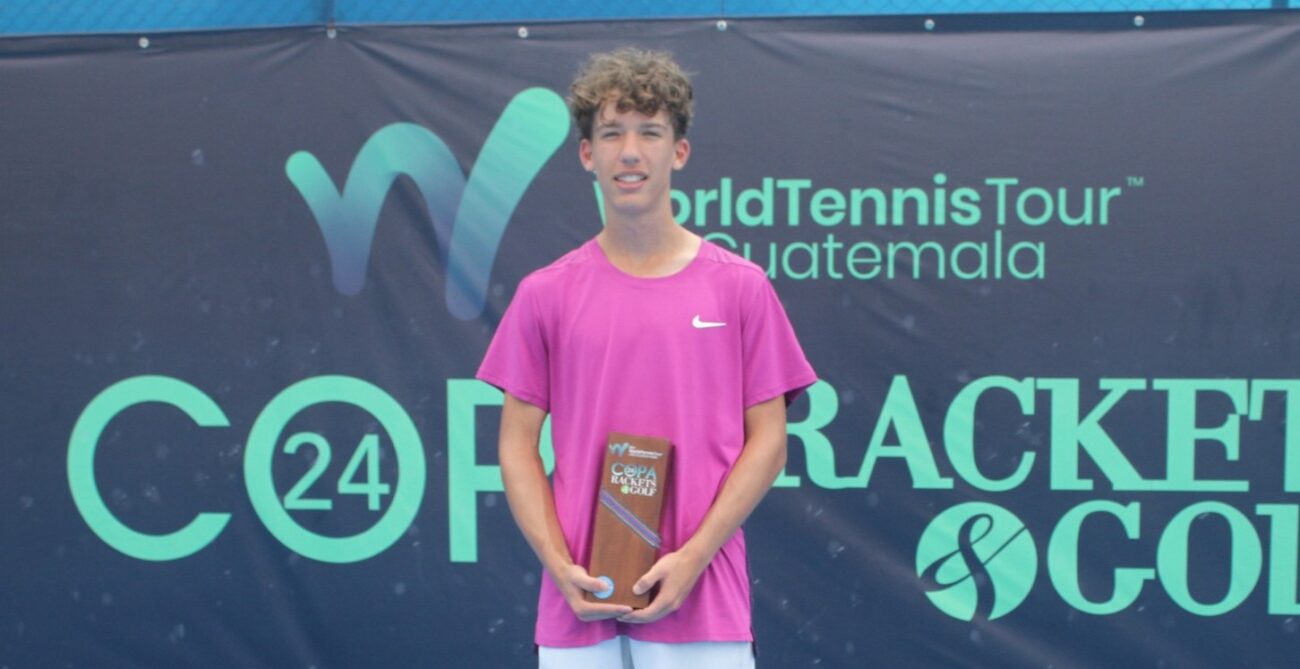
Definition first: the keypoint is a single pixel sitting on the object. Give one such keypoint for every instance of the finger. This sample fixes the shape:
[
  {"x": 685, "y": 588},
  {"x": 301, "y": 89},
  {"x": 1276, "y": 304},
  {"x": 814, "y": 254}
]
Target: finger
[
  {"x": 642, "y": 616},
  {"x": 583, "y": 580},
  {"x": 657, "y": 609},
  {"x": 591, "y": 583},
  {"x": 648, "y": 580},
  {"x": 589, "y": 612}
]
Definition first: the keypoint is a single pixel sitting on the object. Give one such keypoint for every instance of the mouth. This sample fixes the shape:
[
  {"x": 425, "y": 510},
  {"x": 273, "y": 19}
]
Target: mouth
[{"x": 630, "y": 178}]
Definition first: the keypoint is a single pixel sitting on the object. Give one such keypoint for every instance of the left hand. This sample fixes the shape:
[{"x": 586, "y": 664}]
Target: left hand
[{"x": 676, "y": 574}]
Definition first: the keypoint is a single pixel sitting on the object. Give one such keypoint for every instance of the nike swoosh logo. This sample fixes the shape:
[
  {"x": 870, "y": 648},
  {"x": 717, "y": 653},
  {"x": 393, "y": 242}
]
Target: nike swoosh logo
[{"x": 700, "y": 324}]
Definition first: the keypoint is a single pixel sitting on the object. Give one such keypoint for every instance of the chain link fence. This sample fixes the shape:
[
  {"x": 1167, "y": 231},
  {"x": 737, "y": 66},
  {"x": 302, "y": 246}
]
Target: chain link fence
[{"x": 95, "y": 16}]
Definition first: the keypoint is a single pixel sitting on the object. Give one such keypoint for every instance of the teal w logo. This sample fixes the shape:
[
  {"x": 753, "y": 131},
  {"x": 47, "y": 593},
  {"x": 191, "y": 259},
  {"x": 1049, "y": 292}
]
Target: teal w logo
[
  {"x": 618, "y": 449},
  {"x": 469, "y": 215}
]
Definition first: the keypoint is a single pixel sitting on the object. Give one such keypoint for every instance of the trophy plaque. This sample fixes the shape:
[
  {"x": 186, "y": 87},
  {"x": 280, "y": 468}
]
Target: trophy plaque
[{"x": 625, "y": 539}]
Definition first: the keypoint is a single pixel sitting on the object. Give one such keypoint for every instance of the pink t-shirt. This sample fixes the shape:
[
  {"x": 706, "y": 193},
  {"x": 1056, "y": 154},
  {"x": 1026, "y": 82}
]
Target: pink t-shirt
[{"x": 679, "y": 357}]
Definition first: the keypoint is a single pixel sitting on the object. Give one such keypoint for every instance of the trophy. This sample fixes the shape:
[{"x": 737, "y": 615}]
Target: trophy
[{"x": 625, "y": 539}]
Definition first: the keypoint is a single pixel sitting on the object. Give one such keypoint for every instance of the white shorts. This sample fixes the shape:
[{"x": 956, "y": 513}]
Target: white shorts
[{"x": 624, "y": 653}]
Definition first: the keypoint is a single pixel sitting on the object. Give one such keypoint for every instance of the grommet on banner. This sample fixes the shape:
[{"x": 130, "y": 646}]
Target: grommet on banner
[
  {"x": 1139, "y": 21},
  {"x": 722, "y": 25},
  {"x": 929, "y": 24},
  {"x": 523, "y": 32},
  {"x": 144, "y": 42}
]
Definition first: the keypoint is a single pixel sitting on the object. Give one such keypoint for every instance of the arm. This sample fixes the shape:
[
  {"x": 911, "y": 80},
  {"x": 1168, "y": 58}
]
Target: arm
[
  {"x": 760, "y": 461},
  {"x": 533, "y": 507}
]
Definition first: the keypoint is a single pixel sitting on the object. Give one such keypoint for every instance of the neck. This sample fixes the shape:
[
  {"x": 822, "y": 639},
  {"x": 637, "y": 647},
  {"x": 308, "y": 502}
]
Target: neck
[
  {"x": 648, "y": 247},
  {"x": 642, "y": 237}
]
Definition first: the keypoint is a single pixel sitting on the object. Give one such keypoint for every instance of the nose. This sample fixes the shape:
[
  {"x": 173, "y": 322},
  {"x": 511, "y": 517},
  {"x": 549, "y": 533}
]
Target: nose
[{"x": 630, "y": 151}]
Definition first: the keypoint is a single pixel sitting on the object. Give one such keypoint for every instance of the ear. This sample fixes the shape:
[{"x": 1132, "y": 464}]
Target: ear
[
  {"x": 681, "y": 153},
  {"x": 584, "y": 155}
]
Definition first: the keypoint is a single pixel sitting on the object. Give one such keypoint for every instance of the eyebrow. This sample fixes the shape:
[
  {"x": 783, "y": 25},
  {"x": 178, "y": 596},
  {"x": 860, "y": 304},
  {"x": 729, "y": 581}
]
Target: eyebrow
[{"x": 647, "y": 124}]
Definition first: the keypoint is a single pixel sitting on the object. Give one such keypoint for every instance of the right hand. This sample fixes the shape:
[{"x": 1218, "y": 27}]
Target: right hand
[{"x": 573, "y": 581}]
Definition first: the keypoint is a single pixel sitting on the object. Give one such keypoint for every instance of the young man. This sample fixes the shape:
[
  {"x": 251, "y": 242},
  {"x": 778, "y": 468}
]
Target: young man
[{"x": 645, "y": 329}]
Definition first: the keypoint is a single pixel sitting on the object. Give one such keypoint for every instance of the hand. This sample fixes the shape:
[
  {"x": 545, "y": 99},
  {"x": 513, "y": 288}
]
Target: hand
[
  {"x": 676, "y": 574},
  {"x": 572, "y": 581}
]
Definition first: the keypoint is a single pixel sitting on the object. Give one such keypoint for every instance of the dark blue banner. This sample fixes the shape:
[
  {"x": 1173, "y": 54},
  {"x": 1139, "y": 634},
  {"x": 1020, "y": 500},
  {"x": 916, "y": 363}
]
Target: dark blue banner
[{"x": 1043, "y": 266}]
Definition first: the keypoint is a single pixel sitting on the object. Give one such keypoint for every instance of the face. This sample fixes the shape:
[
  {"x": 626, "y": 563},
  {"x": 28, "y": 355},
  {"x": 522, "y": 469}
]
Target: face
[{"x": 633, "y": 157}]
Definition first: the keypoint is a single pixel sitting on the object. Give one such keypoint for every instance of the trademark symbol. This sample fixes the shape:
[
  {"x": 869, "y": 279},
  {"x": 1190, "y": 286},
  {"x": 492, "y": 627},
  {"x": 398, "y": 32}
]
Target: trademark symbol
[{"x": 1136, "y": 182}]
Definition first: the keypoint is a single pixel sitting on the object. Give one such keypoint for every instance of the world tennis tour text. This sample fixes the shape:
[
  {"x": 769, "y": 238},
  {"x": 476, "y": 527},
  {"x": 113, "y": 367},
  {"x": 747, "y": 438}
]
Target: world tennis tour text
[{"x": 962, "y": 229}]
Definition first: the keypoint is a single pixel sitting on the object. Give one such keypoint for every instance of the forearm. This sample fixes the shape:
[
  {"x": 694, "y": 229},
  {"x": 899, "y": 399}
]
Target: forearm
[
  {"x": 761, "y": 460},
  {"x": 532, "y": 504}
]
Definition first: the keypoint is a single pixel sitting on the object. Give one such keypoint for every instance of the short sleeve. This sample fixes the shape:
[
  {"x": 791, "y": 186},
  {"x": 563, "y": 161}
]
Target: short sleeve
[
  {"x": 517, "y": 360},
  {"x": 774, "y": 363}
]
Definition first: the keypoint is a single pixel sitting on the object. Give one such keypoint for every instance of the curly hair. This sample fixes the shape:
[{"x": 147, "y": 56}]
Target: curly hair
[{"x": 634, "y": 80}]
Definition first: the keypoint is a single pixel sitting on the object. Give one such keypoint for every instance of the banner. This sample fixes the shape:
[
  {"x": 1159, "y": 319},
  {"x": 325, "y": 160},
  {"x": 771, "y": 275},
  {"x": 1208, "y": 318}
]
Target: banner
[{"x": 1043, "y": 266}]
